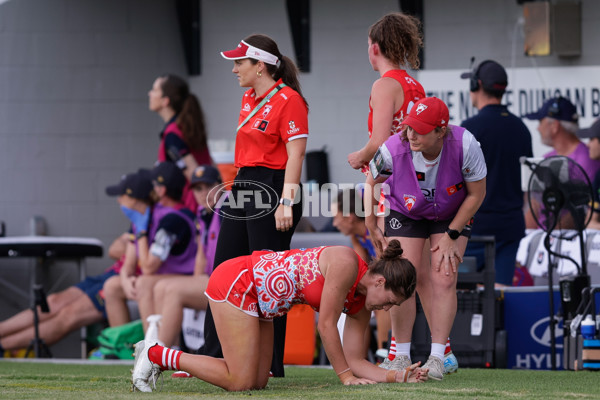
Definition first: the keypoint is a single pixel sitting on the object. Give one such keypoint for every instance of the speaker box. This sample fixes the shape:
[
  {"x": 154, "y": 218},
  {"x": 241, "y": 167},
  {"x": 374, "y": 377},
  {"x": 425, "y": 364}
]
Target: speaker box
[{"x": 566, "y": 29}]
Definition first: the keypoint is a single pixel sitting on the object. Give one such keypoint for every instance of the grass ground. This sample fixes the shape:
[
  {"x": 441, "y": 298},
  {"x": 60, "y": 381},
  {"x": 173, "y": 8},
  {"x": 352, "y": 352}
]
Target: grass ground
[{"x": 34, "y": 380}]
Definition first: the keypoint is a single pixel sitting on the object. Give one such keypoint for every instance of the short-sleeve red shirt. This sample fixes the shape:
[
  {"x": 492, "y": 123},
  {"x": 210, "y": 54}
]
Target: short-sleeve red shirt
[{"x": 261, "y": 141}]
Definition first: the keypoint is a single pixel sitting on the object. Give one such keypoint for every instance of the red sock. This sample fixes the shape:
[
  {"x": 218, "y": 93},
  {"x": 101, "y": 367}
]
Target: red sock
[
  {"x": 448, "y": 349},
  {"x": 392, "y": 352},
  {"x": 166, "y": 358}
]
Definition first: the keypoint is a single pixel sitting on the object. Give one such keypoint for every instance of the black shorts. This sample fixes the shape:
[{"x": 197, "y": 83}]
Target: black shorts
[{"x": 398, "y": 224}]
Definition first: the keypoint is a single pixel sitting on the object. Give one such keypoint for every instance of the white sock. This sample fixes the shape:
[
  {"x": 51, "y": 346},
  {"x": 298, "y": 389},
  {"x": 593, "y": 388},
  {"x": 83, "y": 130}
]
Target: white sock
[
  {"x": 403, "y": 349},
  {"x": 437, "y": 350}
]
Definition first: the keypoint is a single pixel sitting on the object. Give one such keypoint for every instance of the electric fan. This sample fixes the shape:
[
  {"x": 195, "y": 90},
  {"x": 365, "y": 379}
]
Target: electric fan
[{"x": 560, "y": 198}]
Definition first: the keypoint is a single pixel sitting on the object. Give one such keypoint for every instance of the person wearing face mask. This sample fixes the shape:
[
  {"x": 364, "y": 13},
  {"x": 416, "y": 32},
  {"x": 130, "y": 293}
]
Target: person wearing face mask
[
  {"x": 434, "y": 176},
  {"x": 164, "y": 244}
]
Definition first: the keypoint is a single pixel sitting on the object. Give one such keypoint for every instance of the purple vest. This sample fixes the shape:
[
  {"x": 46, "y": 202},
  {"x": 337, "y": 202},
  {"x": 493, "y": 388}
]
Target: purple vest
[
  {"x": 209, "y": 236},
  {"x": 184, "y": 262},
  {"x": 450, "y": 191}
]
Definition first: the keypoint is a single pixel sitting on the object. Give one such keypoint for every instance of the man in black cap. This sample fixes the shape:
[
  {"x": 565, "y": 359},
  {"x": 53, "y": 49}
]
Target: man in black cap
[
  {"x": 504, "y": 139},
  {"x": 593, "y": 133}
]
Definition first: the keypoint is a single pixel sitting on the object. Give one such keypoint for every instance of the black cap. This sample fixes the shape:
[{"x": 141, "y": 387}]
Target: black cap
[
  {"x": 591, "y": 132},
  {"x": 137, "y": 185},
  {"x": 491, "y": 74},
  {"x": 559, "y": 108},
  {"x": 169, "y": 175},
  {"x": 205, "y": 174}
]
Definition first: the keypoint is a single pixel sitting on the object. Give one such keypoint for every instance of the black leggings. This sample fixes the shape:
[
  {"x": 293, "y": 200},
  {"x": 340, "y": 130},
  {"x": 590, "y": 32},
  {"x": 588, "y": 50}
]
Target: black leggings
[{"x": 245, "y": 229}]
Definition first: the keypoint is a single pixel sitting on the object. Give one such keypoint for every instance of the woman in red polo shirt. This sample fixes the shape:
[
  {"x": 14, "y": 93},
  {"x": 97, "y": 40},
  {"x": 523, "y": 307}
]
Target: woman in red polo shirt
[
  {"x": 183, "y": 139},
  {"x": 264, "y": 206}
]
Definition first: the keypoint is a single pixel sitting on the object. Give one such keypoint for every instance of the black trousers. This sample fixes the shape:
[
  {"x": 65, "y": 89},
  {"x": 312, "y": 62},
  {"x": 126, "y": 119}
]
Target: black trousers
[{"x": 246, "y": 227}]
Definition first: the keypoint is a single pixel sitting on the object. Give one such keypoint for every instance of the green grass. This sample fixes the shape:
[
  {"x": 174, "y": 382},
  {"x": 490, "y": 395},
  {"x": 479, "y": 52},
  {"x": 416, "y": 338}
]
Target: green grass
[{"x": 26, "y": 380}]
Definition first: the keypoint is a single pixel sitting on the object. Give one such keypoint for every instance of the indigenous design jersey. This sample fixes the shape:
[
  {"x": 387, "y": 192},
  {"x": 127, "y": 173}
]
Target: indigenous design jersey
[
  {"x": 413, "y": 91},
  {"x": 261, "y": 141},
  {"x": 285, "y": 278}
]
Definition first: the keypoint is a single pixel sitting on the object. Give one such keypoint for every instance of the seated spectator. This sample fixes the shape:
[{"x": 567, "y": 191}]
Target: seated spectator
[
  {"x": 79, "y": 305},
  {"x": 558, "y": 125},
  {"x": 164, "y": 244},
  {"x": 174, "y": 293}
]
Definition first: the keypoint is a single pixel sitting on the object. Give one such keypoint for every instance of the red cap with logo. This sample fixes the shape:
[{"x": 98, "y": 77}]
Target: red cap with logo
[{"x": 426, "y": 115}]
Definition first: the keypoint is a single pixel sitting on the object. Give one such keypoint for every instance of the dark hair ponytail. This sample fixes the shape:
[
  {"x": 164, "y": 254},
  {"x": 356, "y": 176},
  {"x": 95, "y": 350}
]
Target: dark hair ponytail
[
  {"x": 190, "y": 118},
  {"x": 285, "y": 69},
  {"x": 399, "y": 273}
]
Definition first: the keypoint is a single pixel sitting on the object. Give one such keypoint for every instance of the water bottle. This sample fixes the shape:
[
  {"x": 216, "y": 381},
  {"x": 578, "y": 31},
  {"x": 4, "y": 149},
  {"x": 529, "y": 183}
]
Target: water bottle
[
  {"x": 588, "y": 327},
  {"x": 152, "y": 332}
]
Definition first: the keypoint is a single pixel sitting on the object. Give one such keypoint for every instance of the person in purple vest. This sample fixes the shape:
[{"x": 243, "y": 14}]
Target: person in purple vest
[
  {"x": 164, "y": 245},
  {"x": 435, "y": 176},
  {"x": 174, "y": 293}
]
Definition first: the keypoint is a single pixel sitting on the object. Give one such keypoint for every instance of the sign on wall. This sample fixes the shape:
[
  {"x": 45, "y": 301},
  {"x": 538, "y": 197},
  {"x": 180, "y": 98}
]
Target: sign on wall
[{"x": 527, "y": 89}]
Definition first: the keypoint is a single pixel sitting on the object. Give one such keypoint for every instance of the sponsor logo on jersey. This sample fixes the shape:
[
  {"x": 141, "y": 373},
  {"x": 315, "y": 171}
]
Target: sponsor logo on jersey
[
  {"x": 409, "y": 201},
  {"x": 420, "y": 176},
  {"x": 293, "y": 129},
  {"x": 260, "y": 124},
  {"x": 410, "y": 80},
  {"x": 246, "y": 107},
  {"x": 455, "y": 188},
  {"x": 267, "y": 110}
]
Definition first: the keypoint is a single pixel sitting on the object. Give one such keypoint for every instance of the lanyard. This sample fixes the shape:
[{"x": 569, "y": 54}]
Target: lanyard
[{"x": 261, "y": 104}]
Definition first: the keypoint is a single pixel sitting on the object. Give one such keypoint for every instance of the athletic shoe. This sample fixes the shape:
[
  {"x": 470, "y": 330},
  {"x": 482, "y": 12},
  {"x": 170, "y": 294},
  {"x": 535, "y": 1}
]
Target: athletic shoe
[
  {"x": 401, "y": 362},
  {"x": 386, "y": 364},
  {"x": 450, "y": 363},
  {"x": 436, "y": 368},
  {"x": 144, "y": 369}
]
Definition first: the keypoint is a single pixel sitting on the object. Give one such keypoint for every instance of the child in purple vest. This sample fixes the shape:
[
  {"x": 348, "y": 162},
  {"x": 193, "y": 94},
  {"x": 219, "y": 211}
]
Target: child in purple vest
[
  {"x": 434, "y": 176},
  {"x": 171, "y": 295},
  {"x": 164, "y": 245}
]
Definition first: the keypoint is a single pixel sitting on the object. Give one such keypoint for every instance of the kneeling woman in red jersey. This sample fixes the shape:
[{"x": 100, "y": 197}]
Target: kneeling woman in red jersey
[{"x": 247, "y": 292}]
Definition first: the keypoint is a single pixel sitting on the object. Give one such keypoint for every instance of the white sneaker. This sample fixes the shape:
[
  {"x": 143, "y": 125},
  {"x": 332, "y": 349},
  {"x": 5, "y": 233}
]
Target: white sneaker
[
  {"x": 450, "y": 363},
  {"x": 436, "y": 368},
  {"x": 401, "y": 362},
  {"x": 144, "y": 370},
  {"x": 386, "y": 364}
]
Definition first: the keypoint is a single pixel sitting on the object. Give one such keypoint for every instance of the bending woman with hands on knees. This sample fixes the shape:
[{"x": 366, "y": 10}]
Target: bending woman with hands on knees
[
  {"x": 332, "y": 280},
  {"x": 435, "y": 176}
]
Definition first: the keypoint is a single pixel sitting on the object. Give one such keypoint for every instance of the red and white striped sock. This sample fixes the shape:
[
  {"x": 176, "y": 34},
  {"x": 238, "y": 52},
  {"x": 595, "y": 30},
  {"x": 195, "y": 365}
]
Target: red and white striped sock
[
  {"x": 392, "y": 353},
  {"x": 448, "y": 349},
  {"x": 166, "y": 358}
]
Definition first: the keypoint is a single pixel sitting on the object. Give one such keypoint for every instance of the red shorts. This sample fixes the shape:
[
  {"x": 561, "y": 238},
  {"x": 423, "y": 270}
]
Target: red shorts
[{"x": 232, "y": 282}]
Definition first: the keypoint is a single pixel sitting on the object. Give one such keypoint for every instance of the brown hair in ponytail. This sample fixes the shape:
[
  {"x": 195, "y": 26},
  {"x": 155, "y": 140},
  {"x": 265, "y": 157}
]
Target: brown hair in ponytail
[
  {"x": 399, "y": 273},
  {"x": 190, "y": 118},
  {"x": 286, "y": 70}
]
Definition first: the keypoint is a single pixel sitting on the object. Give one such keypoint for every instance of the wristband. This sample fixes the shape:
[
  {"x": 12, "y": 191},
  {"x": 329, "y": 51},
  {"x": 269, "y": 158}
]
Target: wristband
[
  {"x": 141, "y": 234},
  {"x": 345, "y": 376},
  {"x": 390, "y": 376}
]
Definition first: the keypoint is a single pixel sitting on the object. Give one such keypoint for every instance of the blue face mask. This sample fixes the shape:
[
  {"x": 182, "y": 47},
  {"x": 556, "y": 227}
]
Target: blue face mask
[{"x": 140, "y": 221}]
